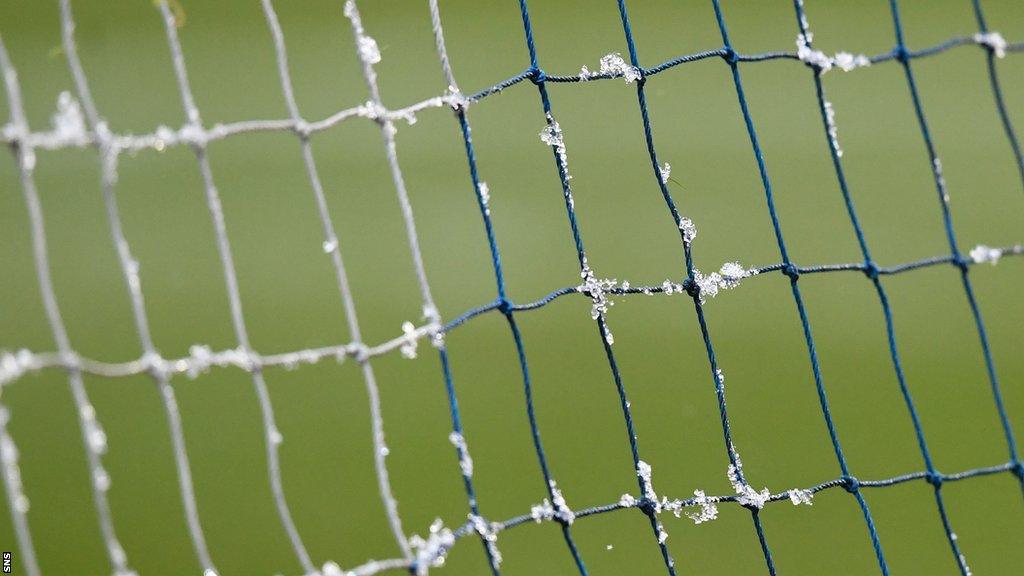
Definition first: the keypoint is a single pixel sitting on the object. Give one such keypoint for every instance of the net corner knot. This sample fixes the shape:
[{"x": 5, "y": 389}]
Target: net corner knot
[
  {"x": 1018, "y": 470},
  {"x": 730, "y": 55},
  {"x": 851, "y": 484}
]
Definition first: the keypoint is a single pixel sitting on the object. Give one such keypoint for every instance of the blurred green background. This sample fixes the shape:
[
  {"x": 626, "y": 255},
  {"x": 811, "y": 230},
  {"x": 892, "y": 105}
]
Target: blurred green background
[{"x": 291, "y": 301}]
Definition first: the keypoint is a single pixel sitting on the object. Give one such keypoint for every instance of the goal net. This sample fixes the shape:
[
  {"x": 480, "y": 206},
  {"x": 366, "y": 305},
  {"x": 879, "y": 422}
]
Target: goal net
[{"x": 572, "y": 410}]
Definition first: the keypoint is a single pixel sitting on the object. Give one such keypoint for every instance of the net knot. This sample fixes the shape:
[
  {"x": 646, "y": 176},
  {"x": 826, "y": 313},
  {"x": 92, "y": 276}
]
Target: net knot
[
  {"x": 155, "y": 364},
  {"x": 691, "y": 287},
  {"x": 901, "y": 54},
  {"x": 537, "y": 76},
  {"x": 871, "y": 270},
  {"x": 360, "y": 352},
  {"x": 647, "y": 505},
  {"x": 851, "y": 484},
  {"x": 1018, "y": 470},
  {"x": 504, "y": 306},
  {"x": 934, "y": 478},
  {"x": 790, "y": 269},
  {"x": 730, "y": 55},
  {"x": 302, "y": 129},
  {"x": 962, "y": 263}
]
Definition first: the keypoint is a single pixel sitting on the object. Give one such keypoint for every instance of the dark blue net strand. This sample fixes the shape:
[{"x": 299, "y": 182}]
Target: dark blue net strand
[
  {"x": 504, "y": 306},
  {"x": 997, "y": 91},
  {"x": 890, "y": 56},
  {"x": 688, "y": 265},
  {"x": 647, "y": 506},
  {"x": 871, "y": 271},
  {"x": 790, "y": 270},
  {"x": 841, "y": 482},
  {"x": 947, "y": 219},
  {"x": 461, "y": 452}
]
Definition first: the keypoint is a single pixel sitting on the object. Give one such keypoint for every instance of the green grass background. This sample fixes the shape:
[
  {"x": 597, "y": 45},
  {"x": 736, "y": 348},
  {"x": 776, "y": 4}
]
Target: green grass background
[{"x": 291, "y": 301}]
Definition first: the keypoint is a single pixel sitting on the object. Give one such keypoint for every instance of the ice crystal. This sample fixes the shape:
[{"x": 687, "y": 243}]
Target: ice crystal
[
  {"x": 489, "y": 533},
  {"x": 627, "y": 501},
  {"x": 833, "y": 132},
  {"x": 994, "y": 41},
  {"x": 552, "y": 136},
  {"x": 485, "y": 197},
  {"x": 846, "y": 61},
  {"x": 940, "y": 178},
  {"x": 332, "y": 569},
  {"x": 967, "y": 569},
  {"x": 669, "y": 287},
  {"x": 12, "y": 473},
  {"x": 981, "y": 254},
  {"x": 465, "y": 461},
  {"x": 368, "y": 50},
  {"x": 431, "y": 551},
  {"x": 330, "y": 246},
  {"x": 275, "y": 436},
  {"x": 585, "y": 72},
  {"x": 731, "y": 273},
  {"x": 643, "y": 471},
  {"x": 13, "y": 365},
  {"x": 410, "y": 341},
  {"x": 662, "y": 535},
  {"x": 747, "y": 495},
  {"x": 541, "y": 512},
  {"x": 808, "y": 55},
  {"x": 799, "y": 496},
  {"x": 101, "y": 479},
  {"x": 614, "y": 65},
  {"x": 727, "y": 278},
  {"x": 708, "y": 509},
  {"x": 561, "y": 509},
  {"x": 598, "y": 292},
  {"x": 688, "y": 228},
  {"x": 68, "y": 122},
  {"x": 708, "y": 284},
  {"x": 665, "y": 172}
]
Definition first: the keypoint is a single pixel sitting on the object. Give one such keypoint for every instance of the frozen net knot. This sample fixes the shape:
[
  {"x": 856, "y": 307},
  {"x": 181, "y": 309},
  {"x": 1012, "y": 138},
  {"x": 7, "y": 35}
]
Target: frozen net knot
[
  {"x": 747, "y": 496},
  {"x": 994, "y": 41},
  {"x": 430, "y": 552},
  {"x": 813, "y": 58}
]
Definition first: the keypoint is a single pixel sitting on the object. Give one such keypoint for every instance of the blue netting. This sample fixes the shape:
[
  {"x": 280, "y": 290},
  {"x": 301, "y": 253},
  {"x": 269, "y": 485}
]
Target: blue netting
[{"x": 874, "y": 274}]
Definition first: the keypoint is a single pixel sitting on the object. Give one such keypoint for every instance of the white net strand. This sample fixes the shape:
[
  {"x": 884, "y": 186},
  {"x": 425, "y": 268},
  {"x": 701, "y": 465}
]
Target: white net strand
[
  {"x": 109, "y": 151},
  {"x": 331, "y": 241},
  {"x": 271, "y": 434},
  {"x": 92, "y": 434}
]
